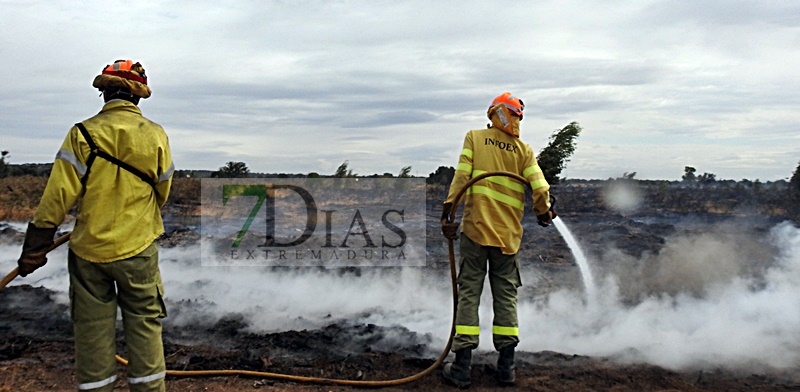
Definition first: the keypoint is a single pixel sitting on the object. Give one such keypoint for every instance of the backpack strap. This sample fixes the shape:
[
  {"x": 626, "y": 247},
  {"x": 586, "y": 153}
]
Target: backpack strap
[{"x": 97, "y": 152}]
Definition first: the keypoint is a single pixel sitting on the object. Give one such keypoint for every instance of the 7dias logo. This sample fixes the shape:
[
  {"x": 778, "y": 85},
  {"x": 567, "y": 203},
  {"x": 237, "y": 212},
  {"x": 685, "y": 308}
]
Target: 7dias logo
[{"x": 333, "y": 222}]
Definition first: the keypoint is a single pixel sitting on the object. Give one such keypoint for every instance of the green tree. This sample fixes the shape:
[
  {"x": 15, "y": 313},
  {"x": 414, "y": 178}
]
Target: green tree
[
  {"x": 553, "y": 158},
  {"x": 342, "y": 171},
  {"x": 757, "y": 186},
  {"x": 3, "y": 165},
  {"x": 443, "y": 175},
  {"x": 405, "y": 172},
  {"x": 688, "y": 174},
  {"x": 794, "y": 194},
  {"x": 706, "y": 178},
  {"x": 233, "y": 170}
]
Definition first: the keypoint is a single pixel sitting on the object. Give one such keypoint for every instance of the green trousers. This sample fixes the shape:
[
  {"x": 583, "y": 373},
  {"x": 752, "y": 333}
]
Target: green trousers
[
  {"x": 96, "y": 289},
  {"x": 504, "y": 280}
]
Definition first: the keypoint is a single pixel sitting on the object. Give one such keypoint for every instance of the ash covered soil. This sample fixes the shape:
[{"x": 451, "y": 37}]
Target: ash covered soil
[
  {"x": 36, "y": 343},
  {"x": 36, "y": 355}
]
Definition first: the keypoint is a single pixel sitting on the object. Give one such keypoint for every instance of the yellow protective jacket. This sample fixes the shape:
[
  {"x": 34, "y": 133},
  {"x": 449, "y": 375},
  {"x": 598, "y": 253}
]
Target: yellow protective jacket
[
  {"x": 494, "y": 206},
  {"x": 118, "y": 213}
]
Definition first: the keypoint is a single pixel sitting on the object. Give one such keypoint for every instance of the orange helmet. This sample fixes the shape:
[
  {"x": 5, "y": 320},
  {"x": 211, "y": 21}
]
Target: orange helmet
[
  {"x": 126, "y": 69},
  {"x": 513, "y": 103}
]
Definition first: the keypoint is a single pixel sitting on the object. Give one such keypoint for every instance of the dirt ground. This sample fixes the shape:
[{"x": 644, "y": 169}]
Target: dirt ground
[{"x": 36, "y": 355}]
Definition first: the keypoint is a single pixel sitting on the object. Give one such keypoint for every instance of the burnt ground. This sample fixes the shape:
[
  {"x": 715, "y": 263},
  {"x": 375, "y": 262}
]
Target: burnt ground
[
  {"x": 36, "y": 344},
  {"x": 36, "y": 355}
]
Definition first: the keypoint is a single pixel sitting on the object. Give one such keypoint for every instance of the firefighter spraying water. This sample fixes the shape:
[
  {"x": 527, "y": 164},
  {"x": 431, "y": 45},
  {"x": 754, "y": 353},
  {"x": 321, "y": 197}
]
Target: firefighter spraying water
[{"x": 491, "y": 233}]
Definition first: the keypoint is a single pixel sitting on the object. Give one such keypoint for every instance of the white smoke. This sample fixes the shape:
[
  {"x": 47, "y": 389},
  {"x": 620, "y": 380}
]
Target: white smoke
[
  {"x": 735, "y": 319},
  {"x": 273, "y": 300},
  {"x": 52, "y": 275},
  {"x": 622, "y": 196},
  {"x": 738, "y": 321},
  {"x": 307, "y": 298}
]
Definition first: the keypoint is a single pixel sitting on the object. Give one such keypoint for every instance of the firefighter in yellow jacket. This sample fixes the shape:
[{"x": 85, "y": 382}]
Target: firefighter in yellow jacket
[
  {"x": 491, "y": 232},
  {"x": 117, "y": 168}
]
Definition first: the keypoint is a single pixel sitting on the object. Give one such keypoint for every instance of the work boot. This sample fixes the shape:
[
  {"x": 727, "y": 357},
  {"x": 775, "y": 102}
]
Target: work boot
[
  {"x": 457, "y": 373},
  {"x": 505, "y": 367}
]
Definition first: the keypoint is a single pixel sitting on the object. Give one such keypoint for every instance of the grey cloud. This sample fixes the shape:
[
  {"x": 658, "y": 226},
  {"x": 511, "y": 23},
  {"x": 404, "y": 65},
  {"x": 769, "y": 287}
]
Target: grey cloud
[
  {"x": 425, "y": 155},
  {"x": 554, "y": 107},
  {"x": 737, "y": 12},
  {"x": 546, "y": 73},
  {"x": 357, "y": 137},
  {"x": 379, "y": 101},
  {"x": 276, "y": 74},
  {"x": 391, "y": 118}
]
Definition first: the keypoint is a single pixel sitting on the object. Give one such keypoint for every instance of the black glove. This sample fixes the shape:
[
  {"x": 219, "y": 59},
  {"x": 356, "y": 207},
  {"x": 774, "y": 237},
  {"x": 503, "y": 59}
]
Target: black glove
[
  {"x": 446, "y": 207},
  {"x": 553, "y": 213},
  {"x": 34, "y": 250},
  {"x": 449, "y": 229},
  {"x": 545, "y": 219}
]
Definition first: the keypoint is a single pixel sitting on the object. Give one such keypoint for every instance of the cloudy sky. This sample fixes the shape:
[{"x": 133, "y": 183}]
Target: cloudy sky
[{"x": 302, "y": 86}]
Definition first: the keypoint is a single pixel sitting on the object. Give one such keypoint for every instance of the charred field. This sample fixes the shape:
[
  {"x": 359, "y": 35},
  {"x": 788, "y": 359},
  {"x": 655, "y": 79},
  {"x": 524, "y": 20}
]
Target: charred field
[{"x": 694, "y": 297}]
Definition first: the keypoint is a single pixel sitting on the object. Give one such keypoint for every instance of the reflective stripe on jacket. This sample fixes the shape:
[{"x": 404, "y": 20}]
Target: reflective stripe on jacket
[
  {"x": 494, "y": 206},
  {"x": 118, "y": 214}
]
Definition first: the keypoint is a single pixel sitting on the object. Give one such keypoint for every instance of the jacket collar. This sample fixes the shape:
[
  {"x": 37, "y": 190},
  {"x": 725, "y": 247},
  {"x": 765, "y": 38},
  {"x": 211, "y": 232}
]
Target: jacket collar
[{"x": 120, "y": 104}]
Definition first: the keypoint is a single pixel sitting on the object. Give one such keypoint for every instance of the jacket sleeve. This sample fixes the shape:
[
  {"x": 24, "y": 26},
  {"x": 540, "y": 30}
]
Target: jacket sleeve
[
  {"x": 64, "y": 184},
  {"x": 541, "y": 189},
  {"x": 463, "y": 170},
  {"x": 165, "y": 169}
]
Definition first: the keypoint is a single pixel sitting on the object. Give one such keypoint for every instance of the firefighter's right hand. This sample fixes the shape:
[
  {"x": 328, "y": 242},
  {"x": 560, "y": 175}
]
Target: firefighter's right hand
[
  {"x": 31, "y": 261},
  {"x": 34, "y": 250},
  {"x": 446, "y": 207},
  {"x": 450, "y": 230}
]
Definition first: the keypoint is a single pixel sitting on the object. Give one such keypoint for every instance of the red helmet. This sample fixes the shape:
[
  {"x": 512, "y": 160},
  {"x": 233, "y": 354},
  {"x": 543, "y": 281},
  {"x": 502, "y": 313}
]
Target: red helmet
[
  {"x": 513, "y": 103},
  {"x": 126, "y": 69}
]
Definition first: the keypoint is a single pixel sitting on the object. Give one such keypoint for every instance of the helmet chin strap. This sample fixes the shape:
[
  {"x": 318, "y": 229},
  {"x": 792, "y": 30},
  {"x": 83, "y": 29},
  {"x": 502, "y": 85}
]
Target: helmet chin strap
[{"x": 121, "y": 94}]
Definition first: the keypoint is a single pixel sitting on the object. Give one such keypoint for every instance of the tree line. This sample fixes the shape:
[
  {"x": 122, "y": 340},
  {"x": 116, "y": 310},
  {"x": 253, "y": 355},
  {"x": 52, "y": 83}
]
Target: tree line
[{"x": 553, "y": 158}]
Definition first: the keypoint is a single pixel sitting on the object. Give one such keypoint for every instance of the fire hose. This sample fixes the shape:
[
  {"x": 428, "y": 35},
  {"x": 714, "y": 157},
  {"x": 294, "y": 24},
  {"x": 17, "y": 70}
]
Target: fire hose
[{"x": 331, "y": 381}]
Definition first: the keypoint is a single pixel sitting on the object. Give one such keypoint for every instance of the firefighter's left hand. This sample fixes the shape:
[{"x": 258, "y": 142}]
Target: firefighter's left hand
[
  {"x": 546, "y": 219},
  {"x": 553, "y": 213}
]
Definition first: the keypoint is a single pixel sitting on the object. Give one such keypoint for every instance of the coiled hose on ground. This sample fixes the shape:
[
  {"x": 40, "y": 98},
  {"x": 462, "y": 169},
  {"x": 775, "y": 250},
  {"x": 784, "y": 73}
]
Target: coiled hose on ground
[{"x": 332, "y": 381}]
